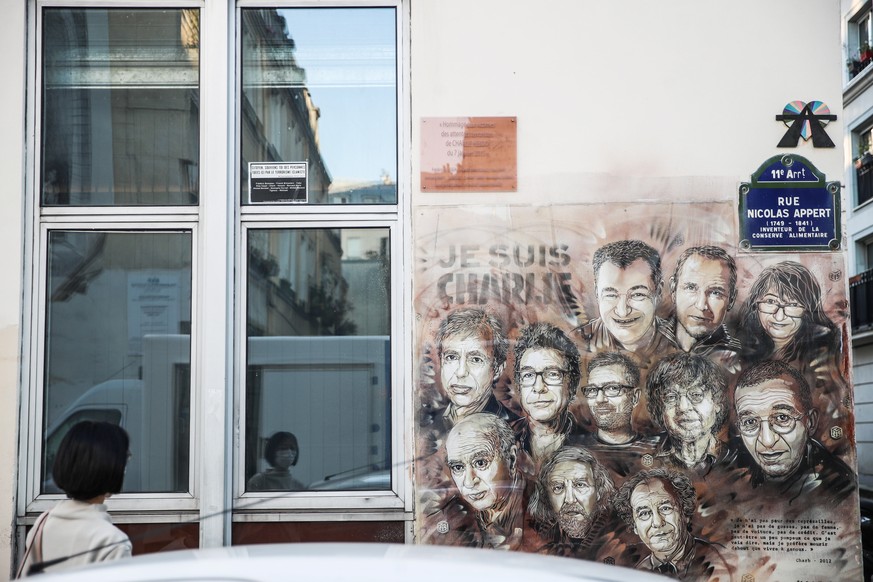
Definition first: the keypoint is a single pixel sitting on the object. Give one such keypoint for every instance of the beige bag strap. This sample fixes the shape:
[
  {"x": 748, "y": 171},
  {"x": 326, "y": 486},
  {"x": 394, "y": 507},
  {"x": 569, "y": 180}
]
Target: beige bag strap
[{"x": 35, "y": 546}]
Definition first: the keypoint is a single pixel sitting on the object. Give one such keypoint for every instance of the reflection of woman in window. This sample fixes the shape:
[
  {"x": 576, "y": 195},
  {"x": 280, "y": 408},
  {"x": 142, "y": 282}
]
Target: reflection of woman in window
[
  {"x": 783, "y": 319},
  {"x": 281, "y": 453}
]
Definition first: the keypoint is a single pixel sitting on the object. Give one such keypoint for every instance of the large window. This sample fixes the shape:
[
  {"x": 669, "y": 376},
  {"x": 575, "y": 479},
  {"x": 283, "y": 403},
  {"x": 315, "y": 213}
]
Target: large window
[
  {"x": 860, "y": 47},
  {"x": 320, "y": 86},
  {"x": 318, "y": 358},
  {"x": 119, "y": 128},
  {"x": 120, "y": 122},
  {"x": 863, "y": 160},
  {"x": 218, "y": 244},
  {"x": 318, "y": 92},
  {"x": 118, "y": 316}
]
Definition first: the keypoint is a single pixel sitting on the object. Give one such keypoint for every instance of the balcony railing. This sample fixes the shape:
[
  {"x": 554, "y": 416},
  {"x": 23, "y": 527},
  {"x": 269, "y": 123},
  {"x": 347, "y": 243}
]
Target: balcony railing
[{"x": 861, "y": 301}]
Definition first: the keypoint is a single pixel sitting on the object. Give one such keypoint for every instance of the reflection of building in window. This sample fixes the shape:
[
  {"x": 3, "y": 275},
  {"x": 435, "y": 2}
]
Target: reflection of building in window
[
  {"x": 860, "y": 45},
  {"x": 383, "y": 191},
  {"x": 135, "y": 105},
  {"x": 863, "y": 159},
  {"x": 279, "y": 120},
  {"x": 861, "y": 288},
  {"x": 297, "y": 285}
]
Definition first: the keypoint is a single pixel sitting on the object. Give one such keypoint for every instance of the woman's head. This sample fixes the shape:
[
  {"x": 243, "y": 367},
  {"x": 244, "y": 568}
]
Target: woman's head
[
  {"x": 91, "y": 459},
  {"x": 281, "y": 450},
  {"x": 783, "y": 302}
]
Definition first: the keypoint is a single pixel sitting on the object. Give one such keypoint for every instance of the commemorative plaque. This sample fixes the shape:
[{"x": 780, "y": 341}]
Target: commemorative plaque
[{"x": 469, "y": 154}]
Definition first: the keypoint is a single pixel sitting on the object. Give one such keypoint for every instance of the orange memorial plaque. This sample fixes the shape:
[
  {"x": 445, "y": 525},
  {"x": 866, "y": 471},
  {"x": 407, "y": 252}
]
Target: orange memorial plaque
[{"x": 469, "y": 154}]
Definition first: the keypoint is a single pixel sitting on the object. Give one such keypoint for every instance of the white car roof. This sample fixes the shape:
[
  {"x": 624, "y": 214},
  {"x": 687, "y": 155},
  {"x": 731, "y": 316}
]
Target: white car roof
[{"x": 334, "y": 562}]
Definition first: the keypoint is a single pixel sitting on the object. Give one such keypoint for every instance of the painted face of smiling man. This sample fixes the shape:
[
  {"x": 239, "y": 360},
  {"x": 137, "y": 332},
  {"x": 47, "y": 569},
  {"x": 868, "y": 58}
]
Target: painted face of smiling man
[
  {"x": 483, "y": 473},
  {"x": 627, "y": 299}
]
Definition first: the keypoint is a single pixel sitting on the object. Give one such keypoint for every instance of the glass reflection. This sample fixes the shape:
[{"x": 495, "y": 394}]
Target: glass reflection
[
  {"x": 318, "y": 365},
  {"x": 120, "y": 123},
  {"x": 117, "y": 347},
  {"x": 320, "y": 86}
]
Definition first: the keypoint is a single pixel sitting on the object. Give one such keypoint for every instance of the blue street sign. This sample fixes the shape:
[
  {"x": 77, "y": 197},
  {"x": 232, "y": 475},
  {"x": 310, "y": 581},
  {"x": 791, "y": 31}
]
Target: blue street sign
[{"x": 789, "y": 206}]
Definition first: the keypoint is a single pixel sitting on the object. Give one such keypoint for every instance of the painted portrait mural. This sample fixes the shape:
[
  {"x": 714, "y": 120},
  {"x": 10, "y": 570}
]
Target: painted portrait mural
[{"x": 621, "y": 383}]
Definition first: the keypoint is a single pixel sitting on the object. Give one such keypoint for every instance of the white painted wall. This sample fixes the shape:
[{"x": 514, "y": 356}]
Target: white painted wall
[
  {"x": 12, "y": 95},
  {"x": 676, "y": 95}
]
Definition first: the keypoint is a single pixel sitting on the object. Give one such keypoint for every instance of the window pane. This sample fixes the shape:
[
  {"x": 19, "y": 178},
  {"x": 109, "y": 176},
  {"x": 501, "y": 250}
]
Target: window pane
[
  {"x": 120, "y": 107},
  {"x": 118, "y": 347},
  {"x": 318, "y": 364},
  {"x": 319, "y": 85}
]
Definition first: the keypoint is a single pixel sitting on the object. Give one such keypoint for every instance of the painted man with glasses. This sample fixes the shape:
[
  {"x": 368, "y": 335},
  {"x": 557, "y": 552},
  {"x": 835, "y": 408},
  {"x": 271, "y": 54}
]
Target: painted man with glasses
[
  {"x": 704, "y": 287},
  {"x": 627, "y": 282},
  {"x": 775, "y": 419},
  {"x": 784, "y": 318},
  {"x": 547, "y": 374},
  {"x": 611, "y": 395},
  {"x": 687, "y": 397}
]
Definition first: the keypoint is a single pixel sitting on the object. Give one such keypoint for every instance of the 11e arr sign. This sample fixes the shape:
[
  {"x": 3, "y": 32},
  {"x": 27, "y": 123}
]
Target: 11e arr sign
[
  {"x": 789, "y": 206},
  {"x": 278, "y": 183}
]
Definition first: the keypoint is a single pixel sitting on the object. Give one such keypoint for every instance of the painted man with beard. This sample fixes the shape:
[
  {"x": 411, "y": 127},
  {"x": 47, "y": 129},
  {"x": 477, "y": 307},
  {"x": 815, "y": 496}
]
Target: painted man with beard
[
  {"x": 659, "y": 506},
  {"x": 687, "y": 397},
  {"x": 547, "y": 375},
  {"x": 612, "y": 394},
  {"x": 627, "y": 282},
  {"x": 570, "y": 505},
  {"x": 488, "y": 508},
  {"x": 704, "y": 287}
]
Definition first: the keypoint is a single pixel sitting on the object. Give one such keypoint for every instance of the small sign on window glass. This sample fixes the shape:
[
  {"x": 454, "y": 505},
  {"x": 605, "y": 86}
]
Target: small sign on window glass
[{"x": 278, "y": 183}]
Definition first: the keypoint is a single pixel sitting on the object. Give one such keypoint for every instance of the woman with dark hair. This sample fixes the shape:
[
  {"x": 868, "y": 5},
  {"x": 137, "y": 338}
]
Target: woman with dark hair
[
  {"x": 783, "y": 319},
  {"x": 281, "y": 452},
  {"x": 89, "y": 467}
]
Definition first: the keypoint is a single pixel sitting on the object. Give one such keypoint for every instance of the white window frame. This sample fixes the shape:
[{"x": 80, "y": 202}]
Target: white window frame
[
  {"x": 125, "y": 502},
  {"x": 128, "y": 507},
  {"x": 218, "y": 251},
  {"x": 252, "y": 506},
  {"x": 395, "y": 504}
]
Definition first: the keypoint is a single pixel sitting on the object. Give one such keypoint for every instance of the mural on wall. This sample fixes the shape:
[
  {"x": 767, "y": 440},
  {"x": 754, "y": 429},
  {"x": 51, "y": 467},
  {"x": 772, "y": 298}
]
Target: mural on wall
[{"x": 622, "y": 383}]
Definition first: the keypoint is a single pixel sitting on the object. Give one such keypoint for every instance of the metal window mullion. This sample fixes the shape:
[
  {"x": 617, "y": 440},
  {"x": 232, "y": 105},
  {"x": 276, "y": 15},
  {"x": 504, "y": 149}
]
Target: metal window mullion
[{"x": 212, "y": 444}]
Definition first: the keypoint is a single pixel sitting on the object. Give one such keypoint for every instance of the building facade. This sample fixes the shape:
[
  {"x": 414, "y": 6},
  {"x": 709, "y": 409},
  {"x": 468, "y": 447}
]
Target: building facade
[{"x": 221, "y": 228}]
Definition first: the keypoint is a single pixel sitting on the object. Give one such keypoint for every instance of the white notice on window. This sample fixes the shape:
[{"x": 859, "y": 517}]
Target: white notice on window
[
  {"x": 274, "y": 183},
  {"x": 152, "y": 307}
]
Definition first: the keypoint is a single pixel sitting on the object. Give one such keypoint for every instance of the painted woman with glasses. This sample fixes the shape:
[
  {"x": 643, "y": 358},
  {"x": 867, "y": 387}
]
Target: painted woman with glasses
[
  {"x": 783, "y": 319},
  {"x": 547, "y": 375}
]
